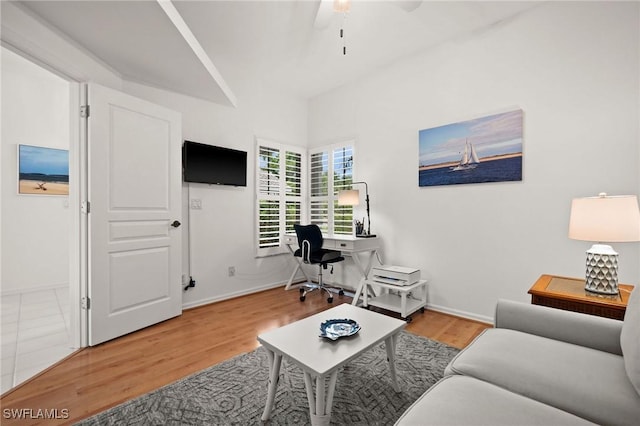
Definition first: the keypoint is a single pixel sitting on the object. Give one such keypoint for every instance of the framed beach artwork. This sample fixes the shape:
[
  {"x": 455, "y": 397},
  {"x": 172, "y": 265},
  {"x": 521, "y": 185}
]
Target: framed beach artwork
[
  {"x": 43, "y": 171},
  {"x": 486, "y": 149}
]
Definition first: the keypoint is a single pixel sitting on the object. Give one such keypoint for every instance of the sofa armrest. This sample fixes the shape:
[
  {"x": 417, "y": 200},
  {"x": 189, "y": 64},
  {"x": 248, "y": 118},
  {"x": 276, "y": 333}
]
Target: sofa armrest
[{"x": 571, "y": 327}]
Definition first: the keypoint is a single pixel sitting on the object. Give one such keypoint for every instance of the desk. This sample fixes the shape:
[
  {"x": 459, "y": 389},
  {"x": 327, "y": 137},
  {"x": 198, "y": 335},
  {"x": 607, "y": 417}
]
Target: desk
[
  {"x": 569, "y": 294},
  {"x": 349, "y": 246}
]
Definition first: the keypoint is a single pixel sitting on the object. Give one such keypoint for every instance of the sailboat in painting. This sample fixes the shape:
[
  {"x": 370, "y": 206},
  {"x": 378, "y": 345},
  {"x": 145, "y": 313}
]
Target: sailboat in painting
[{"x": 469, "y": 158}]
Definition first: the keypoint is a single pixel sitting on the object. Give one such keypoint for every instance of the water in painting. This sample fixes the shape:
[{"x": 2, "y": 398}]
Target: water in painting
[{"x": 43, "y": 171}]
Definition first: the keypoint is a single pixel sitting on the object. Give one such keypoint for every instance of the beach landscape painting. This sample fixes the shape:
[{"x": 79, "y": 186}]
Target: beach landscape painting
[
  {"x": 43, "y": 171},
  {"x": 486, "y": 149}
]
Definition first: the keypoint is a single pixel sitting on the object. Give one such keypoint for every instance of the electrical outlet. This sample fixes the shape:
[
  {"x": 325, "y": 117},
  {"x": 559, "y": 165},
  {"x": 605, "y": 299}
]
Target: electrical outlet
[
  {"x": 232, "y": 271},
  {"x": 196, "y": 204}
]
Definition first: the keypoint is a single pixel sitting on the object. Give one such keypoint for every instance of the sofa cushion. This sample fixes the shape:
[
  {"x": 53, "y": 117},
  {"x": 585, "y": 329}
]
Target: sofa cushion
[
  {"x": 630, "y": 339},
  {"x": 572, "y": 327},
  {"x": 586, "y": 382},
  {"x": 462, "y": 400}
]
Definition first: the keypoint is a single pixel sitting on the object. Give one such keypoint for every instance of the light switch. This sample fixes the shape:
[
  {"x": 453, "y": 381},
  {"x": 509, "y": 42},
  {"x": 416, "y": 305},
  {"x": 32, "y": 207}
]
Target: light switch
[{"x": 196, "y": 204}]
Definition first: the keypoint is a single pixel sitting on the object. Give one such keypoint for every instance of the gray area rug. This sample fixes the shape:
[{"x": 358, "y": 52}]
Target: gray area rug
[{"x": 234, "y": 392}]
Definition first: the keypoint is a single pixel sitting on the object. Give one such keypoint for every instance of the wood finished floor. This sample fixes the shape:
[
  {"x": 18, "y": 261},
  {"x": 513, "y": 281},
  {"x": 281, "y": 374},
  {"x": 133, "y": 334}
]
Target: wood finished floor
[{"x": 97, "y": 378}]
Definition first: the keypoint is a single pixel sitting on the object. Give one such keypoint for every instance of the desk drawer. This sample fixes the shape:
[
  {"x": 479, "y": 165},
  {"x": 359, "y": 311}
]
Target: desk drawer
[{"x": 344, "y": 245}]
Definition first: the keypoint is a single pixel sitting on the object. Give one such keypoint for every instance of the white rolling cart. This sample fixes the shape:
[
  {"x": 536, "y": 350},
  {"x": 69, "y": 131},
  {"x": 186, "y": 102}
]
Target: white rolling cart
[{"x": 398, "y": 298}]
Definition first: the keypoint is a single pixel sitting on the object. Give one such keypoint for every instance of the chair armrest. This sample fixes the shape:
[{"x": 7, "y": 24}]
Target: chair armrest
[{"x": 571, "y": 327}]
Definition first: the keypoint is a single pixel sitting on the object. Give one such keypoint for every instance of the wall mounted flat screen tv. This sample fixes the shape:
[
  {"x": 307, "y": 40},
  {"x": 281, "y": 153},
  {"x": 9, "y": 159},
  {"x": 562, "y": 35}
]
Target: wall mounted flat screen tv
[{"x": 210, "y": 164}]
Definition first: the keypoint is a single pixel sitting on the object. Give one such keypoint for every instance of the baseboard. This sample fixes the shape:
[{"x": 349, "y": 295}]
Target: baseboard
[
  {"x": 33, "y": 289},
  {"x": 459, "y": 313},
  {"x": 227, "y": 296},
  {"x": 232, "y": 295}
]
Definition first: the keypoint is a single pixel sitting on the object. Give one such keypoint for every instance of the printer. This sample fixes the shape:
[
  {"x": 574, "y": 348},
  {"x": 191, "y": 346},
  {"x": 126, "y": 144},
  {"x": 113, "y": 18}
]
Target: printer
[{"x": 395, "y": 275}]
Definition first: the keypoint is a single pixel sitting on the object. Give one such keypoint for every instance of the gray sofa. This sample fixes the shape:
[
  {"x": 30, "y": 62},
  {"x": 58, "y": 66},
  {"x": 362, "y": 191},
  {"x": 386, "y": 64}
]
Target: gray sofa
[{"x": 541, "y": 366}]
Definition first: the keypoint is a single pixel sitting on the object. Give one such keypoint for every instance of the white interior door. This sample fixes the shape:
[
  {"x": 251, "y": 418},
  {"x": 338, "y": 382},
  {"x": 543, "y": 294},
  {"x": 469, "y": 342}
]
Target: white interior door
[{"x": 134, "y": 191}]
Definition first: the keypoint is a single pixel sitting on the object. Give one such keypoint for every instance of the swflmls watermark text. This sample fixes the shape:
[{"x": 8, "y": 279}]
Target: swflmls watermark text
[{"x": 35, "y": 413}]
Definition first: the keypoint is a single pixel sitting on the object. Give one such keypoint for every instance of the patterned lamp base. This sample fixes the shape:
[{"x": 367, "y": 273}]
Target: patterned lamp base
[{"x": 602, "y": 270}]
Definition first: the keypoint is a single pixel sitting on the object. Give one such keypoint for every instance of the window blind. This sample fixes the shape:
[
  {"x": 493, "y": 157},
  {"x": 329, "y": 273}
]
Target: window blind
[
  {"x": 331, "y": 170},
  {"x": 279, "y": 193},
  {"x": 293, "y": 196},
  {"x": 319, "y": 181},
  {"x": 342, "y": 179},
  {"x": 293, "y": 186}
]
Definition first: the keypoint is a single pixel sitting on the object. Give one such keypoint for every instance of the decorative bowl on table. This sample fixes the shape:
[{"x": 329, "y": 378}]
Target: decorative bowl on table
[{"x": 333, "y": 329}]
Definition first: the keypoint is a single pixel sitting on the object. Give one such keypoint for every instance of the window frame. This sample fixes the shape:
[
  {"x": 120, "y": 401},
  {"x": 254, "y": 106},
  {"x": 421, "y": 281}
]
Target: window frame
[
  {"x": 282, "y": 197},
  {"x": 332, "y": 197}
]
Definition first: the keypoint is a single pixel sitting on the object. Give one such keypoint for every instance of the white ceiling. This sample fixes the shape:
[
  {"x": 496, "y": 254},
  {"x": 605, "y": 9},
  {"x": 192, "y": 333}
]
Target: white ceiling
[{"x": 293, "y": 46}]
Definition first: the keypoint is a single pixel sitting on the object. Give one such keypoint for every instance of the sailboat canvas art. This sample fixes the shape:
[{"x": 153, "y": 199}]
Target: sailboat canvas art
[
  {"x": 469, "y": 158},
  {"x": 486, "y": 149}
]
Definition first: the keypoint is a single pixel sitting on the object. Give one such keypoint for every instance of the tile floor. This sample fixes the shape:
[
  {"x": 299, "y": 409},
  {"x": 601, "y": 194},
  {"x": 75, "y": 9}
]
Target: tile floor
[{"x": 35, "y": 333}]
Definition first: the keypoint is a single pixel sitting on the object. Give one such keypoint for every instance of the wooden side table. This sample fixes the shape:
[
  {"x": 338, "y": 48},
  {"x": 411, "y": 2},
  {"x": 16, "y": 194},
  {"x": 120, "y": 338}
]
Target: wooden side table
[{"x": 569, "y": 294}]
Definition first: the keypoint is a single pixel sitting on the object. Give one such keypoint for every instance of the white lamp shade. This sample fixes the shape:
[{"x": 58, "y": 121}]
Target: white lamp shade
[
  {"x": 349, "y": 197},
  {"x": 605, "y": 219}
]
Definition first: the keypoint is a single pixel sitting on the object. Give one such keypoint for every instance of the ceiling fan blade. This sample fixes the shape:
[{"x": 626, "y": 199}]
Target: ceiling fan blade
[{"x": 408, "y": 5}]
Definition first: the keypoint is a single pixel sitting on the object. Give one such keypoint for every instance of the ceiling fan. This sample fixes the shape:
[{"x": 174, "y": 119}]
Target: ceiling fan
[{"x": 326, "y": 9}]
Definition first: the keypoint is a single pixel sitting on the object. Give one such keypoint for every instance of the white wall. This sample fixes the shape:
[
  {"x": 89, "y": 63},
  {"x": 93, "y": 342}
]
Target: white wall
[
  {"x": 223, "y": 231},
  {"x": 574, "y": 69},
  {"x": 35, "y": 228}
]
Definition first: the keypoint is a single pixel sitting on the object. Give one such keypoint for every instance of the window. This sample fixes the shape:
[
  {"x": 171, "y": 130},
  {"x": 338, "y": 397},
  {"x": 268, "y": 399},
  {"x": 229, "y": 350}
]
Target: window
[
  {"x": 280, "y": 193},
  {"x": 331, "y": 170},
  {"x": 289, "y": 190}
]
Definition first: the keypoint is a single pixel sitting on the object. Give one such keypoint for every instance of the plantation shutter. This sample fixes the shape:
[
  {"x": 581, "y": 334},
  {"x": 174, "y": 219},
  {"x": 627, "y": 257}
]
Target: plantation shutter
[
  {"x": 269, "y": 197},
  {"x": 279, "y": 194},
  {"x": 319, "y": 199},
  {"x": 342, "y": 179},
  {"x": 293, "y": 195},
  {"x": 331, "y": 170},
  {"x": 293, "y": 187}
]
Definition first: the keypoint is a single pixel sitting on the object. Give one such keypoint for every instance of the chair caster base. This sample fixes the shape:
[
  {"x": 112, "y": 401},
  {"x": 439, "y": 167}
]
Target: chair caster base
[
  {"x": 329, "y": 299},
  {"x": 302, "y": 298}
]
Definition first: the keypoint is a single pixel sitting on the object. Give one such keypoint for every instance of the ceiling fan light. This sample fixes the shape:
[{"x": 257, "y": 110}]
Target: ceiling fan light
[{"x": 342, "y": 6}]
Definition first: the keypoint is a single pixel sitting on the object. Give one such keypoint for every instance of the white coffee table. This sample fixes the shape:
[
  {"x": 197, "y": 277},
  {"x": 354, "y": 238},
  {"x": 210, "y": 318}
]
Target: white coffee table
[{"x": 321, "y": 359}]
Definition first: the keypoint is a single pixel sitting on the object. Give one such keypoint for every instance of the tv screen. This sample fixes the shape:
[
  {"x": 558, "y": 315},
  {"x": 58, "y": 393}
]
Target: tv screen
[{"x": 203, "y": 163}]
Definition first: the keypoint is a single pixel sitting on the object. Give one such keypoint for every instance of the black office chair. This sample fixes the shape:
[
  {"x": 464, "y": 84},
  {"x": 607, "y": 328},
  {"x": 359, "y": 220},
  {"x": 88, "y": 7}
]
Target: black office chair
[{"x": 311, "y": 251}]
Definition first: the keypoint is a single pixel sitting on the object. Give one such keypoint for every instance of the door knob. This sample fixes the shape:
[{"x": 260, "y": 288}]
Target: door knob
[{"x": 175, "y": 224}]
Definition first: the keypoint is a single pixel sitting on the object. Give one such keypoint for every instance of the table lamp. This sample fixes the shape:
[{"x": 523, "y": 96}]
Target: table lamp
[
  {"x": 611, "y": 219},
  {"x": 351, "y": 197}
]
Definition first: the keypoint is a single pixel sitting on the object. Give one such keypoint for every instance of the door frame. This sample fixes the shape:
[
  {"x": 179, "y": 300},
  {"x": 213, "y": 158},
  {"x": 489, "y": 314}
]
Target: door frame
[
  {"x": 77, "y": 244},
  {"x": 78, "y": 248},
  {"x": 79, "y": 254}
]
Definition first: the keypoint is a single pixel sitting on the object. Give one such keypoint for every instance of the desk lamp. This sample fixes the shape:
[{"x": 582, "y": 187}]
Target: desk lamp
[
  {"x": 601, "y": 219},
  {"x": 351, "y": 197}
]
